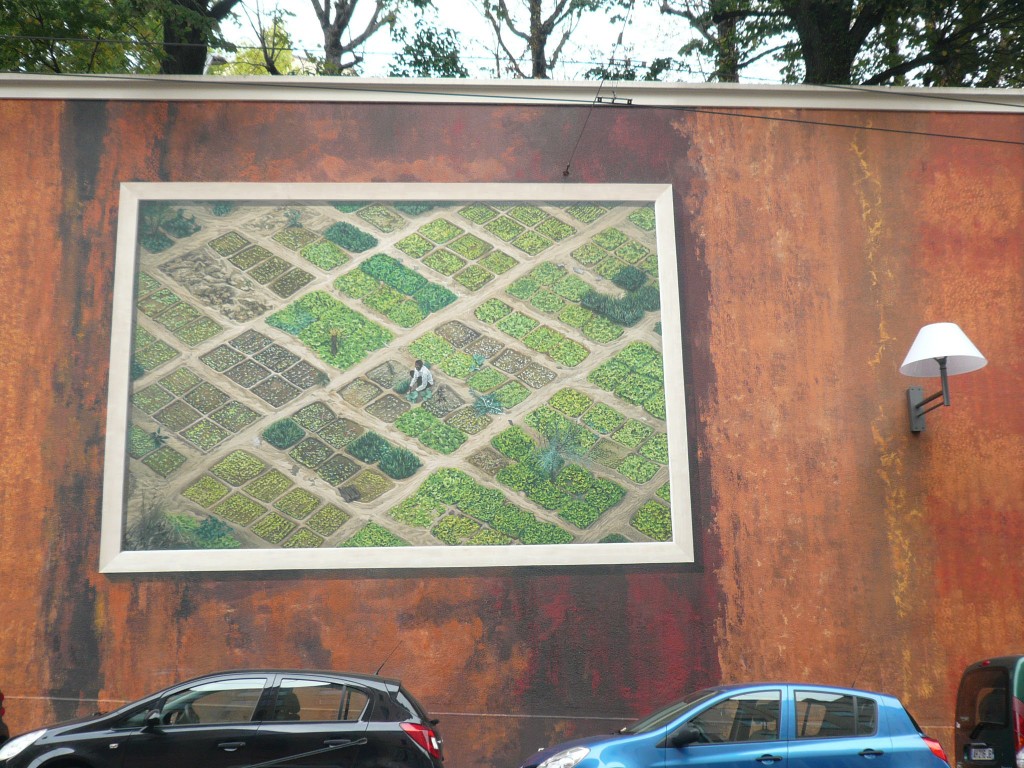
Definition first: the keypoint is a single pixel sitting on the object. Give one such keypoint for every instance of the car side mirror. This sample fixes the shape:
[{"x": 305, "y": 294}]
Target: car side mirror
[
  {"x": 684, "y": 735},
  {"x": 153, "y": 718}
]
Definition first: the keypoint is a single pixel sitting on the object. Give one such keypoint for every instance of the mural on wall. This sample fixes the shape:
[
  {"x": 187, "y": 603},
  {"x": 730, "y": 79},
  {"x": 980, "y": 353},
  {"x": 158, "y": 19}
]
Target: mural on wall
[{"x": 307, "y": 376}]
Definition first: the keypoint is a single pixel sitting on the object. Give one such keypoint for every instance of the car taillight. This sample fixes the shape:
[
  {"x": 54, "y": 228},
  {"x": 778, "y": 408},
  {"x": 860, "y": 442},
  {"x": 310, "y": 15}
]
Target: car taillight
[
  {"x": 1018, "y": 723},
  {"x": 425, "y": 738},
  {"x": 936, "y": 748}
]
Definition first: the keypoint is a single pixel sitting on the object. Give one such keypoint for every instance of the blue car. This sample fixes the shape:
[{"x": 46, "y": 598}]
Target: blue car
[{"x": 782, "y": 725}]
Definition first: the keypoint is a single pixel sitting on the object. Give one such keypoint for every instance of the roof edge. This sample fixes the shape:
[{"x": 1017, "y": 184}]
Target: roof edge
[{"x": 537, "y": 92}]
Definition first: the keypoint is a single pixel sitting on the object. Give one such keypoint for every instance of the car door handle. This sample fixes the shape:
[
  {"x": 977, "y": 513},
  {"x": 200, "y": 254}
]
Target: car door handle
[
  {"x": 768, "y": 759},
  {"x": 231, "y": 746},
  {"x": 871, "y": 753},
  {"x": 338, "y": 742}
]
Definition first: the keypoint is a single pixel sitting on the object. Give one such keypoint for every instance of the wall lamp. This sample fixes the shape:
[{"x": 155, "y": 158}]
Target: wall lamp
[{"x": 940, "y": 349}]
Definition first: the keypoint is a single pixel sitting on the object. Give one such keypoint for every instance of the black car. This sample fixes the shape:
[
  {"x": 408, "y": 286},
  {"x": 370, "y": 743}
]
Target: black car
[
  {"x": 4, "y": 733},
  {"x": 236, "y": 719}
]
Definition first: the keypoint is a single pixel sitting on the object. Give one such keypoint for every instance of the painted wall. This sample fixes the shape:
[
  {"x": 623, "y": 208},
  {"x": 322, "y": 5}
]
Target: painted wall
[{"x": 834, "y": 546}]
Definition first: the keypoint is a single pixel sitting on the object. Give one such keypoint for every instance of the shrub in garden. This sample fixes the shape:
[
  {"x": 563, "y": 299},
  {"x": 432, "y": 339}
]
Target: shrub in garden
[
  {"x": 569, "y": 353},
  {"x": 655, "y": 405},
  {"x": 432, "y": 298},
  {"x": 238, "y": 468},
  {"x": 570, "y": 402},
  {"x": 637, "y": 468},
  {"x": 453, "y": 529},
  {"x": 512, "y": 394},
  {"x": 398, "y": 463},
  {"x": 630, "y": 278},
  {"x": 579, "y": 513},
  {"x": 656, "y": 449},
  {"x": 350, "y": 238},
  {"x": 643, "y": 218},
  {"x": 419, "y": 510},
  {"x": 304, "y": 539},
  {"x": 653, "y": 520},
  {"x": 368, "y": 448},
  {"x": 514, "y": 443},
  {"x": 273, "y": 528},
  {"x": 327, "y": 519},
  {"x": 491, "y": 311},
  {"x": 610, "y": 238},
  {"x": 284, "y": 433},
  {"x": 440, "y": 230},
  {"x": 523, "y": 288},
  {"x": 587, "y": 214},
  {"x": 537, "y": 532},
  {"x": 603, "y": 418},
  {"x": 442, "y": 438},
  {"x": 415, "y": 245},
  {"x": 325, "y": 255},
  {"x": 374, "y": 535},
  {"x": 517, "y": 325},
  {"x": 448, "y": 485},
  {"x": 356, "y": 284}
]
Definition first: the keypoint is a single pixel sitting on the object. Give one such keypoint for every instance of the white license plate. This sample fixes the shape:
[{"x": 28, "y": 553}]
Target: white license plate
[{"x": 982, "y": 753}]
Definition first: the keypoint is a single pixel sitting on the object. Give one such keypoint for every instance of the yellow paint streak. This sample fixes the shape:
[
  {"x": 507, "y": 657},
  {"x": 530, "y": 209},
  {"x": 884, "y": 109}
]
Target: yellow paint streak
[{"x": 890, "y": 469}]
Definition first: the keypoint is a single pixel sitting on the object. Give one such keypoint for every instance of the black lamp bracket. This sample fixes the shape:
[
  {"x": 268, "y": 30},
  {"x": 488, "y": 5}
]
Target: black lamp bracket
[{"x": 916, "y": 401}]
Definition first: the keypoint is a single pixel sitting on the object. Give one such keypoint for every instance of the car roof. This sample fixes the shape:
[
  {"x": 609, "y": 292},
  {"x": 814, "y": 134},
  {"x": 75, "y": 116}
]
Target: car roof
[
  {"x": 387, "y": 681},
  {"x": 802, "y": 684}
]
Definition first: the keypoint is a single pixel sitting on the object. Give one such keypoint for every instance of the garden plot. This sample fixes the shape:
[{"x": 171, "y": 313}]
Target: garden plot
[{"x": 273, "y": 348}]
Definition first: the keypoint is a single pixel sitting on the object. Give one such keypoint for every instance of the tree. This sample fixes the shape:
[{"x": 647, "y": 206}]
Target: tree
[
  {"x": 190, "y": 27},
  {"x": 544, "y": 37},
  {"x": 335, "y": 27},
  {"x": 272, "y": 52},
  {"x": 78, "y": 36},
  {"x": 430, "y": 53},
  {"x": 870, "y": 42}
]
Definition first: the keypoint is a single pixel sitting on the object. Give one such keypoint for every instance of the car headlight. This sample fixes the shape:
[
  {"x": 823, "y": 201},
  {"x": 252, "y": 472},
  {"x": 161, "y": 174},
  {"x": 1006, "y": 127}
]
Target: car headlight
[
  {"x": 18, "y": 743},
  {"x": 567, "y": 759}
]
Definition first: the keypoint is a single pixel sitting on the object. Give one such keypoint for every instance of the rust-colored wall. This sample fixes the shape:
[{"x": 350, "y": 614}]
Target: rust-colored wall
[{"x": 833, "y": 545}]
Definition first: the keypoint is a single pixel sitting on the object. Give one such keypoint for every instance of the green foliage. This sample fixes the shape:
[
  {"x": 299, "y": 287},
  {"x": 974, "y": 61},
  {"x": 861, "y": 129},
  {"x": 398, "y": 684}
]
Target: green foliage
[
  {"x": 238, "y": 468},
  {"x": 570, "y": 402},
  {"x": 603, "y": 418},
  {"x": 492, "y": 310},
  {"x": 283, "y": 434},
  {"x": 454, "y": 529},
  {"x": 350, "y": 238},
  {"x": 419, "y": 510},
  {"x": 654, "y": 520},
  {"x": 368, "y": 447},
  {"x": 374, "y": 535},
  {"x": 630, "y": 278},
  {"x": 325, "y": 255},
  {"x": 398, "y": 463}
]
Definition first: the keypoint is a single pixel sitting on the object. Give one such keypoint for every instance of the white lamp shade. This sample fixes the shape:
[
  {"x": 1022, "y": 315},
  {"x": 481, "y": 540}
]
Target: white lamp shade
[{"x": 942, "y": 340}]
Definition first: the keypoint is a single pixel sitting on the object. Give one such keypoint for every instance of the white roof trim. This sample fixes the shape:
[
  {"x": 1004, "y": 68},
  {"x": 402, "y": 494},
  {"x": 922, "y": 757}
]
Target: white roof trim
[{"x": 537, "y": 92}]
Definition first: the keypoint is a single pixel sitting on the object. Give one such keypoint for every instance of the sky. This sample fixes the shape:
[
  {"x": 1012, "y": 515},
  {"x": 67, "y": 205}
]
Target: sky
[{"x": 647, "y": 35}]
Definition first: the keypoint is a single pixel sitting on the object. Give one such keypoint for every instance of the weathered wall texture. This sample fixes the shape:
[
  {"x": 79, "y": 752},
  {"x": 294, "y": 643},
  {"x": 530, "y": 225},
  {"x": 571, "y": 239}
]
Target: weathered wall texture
[{"x": 833, "y": 545}]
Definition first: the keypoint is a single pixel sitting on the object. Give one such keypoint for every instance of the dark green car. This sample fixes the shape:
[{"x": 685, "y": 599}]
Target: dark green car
[{"x": 989, "y": 725}]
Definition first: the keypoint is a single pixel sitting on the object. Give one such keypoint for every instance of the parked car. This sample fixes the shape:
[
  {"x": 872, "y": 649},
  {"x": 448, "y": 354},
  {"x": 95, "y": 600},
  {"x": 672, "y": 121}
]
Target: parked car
[
  {"x": 245, "y": 718},
  {"x": 988, "y": 728},
  {"x": 5, "y": 734},
  {"x": 764, "y": 724}
]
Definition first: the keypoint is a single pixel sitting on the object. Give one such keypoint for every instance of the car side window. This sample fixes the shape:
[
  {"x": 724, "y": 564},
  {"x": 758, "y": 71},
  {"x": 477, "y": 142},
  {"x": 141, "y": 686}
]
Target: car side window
[
  {"x": 746, "y": 717},
  {"x": 824, "y": 715},
  {"x": 318, "y": 701},
  {"x": 224, "y": 701}
]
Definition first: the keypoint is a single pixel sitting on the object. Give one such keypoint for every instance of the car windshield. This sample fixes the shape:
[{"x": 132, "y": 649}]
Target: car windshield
[{"x": 663, "y": 717}]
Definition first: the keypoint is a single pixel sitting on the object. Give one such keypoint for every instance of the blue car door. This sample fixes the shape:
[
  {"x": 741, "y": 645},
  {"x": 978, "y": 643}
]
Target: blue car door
[
  {"x": 742, "y": 731},
  {"x": 835, "y": 729}
]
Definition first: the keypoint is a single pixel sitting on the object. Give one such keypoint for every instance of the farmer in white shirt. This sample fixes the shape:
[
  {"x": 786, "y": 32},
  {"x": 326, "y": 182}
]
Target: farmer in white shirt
[{"x": 421, "y": 382}]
